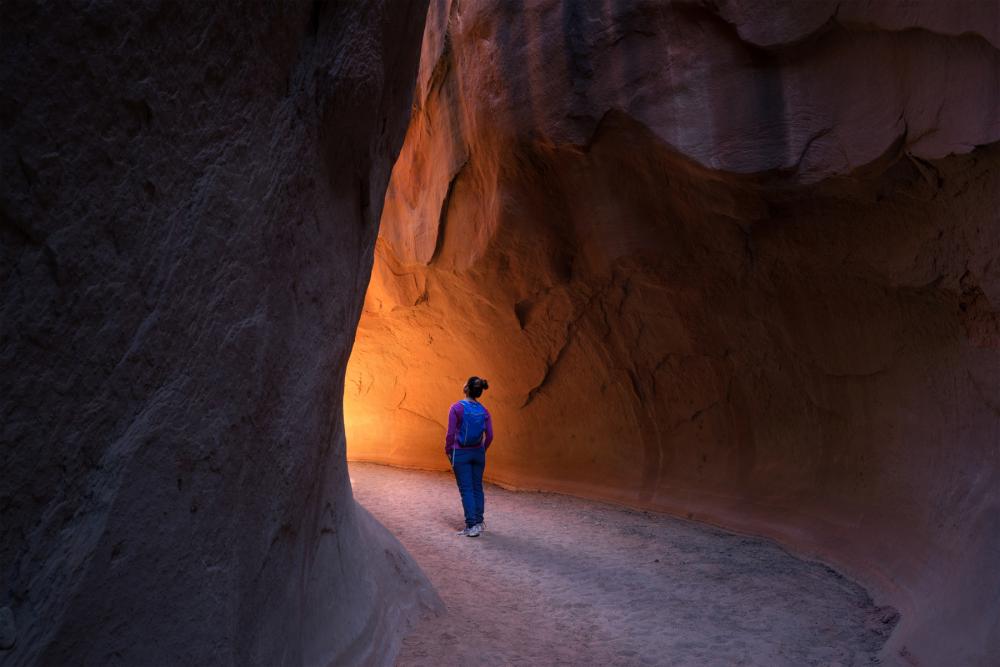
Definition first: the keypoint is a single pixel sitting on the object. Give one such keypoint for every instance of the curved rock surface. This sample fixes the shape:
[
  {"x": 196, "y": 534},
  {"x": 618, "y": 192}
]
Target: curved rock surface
[
  {"x": 734, "y": 263},
  {"x": 190, "y": 196}
]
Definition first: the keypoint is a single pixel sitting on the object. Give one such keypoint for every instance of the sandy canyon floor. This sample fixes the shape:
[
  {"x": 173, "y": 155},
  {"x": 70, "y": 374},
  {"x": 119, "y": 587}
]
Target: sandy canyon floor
[{"x": 557, "y": 580}]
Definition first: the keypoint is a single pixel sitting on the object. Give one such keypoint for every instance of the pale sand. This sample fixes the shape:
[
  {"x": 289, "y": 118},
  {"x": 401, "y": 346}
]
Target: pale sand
[{"x": 558, "y": 580}]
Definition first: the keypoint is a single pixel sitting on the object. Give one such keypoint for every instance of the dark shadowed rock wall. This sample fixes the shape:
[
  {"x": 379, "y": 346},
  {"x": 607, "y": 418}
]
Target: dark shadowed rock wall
[
  {"x": 190, "y": 194},
  {"x": 735, "y": 262}
]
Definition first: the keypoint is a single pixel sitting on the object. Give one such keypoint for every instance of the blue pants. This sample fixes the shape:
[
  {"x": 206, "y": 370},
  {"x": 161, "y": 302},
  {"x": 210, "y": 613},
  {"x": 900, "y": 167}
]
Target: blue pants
[{"x": 468, "y": 465}]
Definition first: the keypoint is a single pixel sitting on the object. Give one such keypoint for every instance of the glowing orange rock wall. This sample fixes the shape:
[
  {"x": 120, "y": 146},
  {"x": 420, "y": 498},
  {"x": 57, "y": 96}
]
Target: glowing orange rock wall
[{"x": 735, "y": 264}]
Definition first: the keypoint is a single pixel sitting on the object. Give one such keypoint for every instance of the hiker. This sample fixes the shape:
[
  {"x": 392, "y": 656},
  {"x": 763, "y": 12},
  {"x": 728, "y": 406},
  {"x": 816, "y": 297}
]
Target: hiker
[{"x": 470, "y": 432}]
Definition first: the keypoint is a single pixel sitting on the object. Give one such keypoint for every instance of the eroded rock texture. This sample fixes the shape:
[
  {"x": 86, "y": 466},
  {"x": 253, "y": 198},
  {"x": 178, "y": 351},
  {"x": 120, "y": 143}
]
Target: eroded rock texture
[
  {"x": 737, "y": 263},
  {"x": 190, "y": 194}
]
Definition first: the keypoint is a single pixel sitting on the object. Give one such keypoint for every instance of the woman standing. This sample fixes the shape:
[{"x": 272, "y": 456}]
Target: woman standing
[{"x": 470, "y": 432}]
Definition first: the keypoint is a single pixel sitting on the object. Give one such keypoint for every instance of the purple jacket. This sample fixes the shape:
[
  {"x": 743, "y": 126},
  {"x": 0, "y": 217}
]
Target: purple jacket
[{"x": 455, "y": 415}]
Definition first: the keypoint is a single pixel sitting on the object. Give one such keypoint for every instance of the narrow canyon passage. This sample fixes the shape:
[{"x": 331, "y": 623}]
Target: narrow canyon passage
[
  {"x": 557, "y": 580},
  {"x": 730, "y": 261}
]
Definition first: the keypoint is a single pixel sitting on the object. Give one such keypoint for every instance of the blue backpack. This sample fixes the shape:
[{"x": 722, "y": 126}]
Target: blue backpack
[{"x": 470, "y": 434}]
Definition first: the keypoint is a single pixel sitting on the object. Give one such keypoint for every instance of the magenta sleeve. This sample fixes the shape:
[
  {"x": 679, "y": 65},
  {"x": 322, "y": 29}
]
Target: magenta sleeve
[{"x": 454, "y": 415}]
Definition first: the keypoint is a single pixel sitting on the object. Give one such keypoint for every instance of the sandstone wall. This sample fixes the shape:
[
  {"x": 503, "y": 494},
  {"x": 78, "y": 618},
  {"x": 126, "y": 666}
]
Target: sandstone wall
[
  {"x": 734, "y": 263},
  {"x": 189, "y": 198}
]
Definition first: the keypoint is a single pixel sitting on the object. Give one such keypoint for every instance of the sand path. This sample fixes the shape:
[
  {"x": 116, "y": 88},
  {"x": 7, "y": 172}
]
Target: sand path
[{"x": 557, "y": 580}]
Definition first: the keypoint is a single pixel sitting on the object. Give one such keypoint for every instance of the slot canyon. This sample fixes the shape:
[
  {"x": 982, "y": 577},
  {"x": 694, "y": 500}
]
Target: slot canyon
[{"x": 734, "y": 262}]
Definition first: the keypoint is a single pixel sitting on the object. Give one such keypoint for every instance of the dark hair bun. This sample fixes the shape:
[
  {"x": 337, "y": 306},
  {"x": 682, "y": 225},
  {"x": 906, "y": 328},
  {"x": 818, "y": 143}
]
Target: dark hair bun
[{"x": 475, "y": 386}]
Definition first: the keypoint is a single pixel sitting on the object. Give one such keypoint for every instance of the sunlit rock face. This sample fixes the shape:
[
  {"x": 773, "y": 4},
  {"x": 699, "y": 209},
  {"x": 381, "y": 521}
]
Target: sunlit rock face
[
  {"x": 738, "y": 264},
  {"x": 190, "y": 197}
]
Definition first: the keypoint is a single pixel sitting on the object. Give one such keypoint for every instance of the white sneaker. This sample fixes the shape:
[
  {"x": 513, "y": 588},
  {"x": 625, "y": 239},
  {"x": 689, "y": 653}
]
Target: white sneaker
[
  {"x": 482, "y": 526},
  {"x": 476, "y": 530},
  {"x": 472, "y": 531}
]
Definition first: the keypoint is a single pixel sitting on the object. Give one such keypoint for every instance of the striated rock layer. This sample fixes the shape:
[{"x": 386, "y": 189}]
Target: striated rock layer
[
  {"x": 737, "y": 263},
  {"x": 190, "y": 195}
]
